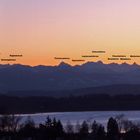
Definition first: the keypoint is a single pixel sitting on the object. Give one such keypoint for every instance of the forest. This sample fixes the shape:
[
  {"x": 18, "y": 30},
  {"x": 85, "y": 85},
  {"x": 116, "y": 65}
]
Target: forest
[{"x": 38, "y": 104}]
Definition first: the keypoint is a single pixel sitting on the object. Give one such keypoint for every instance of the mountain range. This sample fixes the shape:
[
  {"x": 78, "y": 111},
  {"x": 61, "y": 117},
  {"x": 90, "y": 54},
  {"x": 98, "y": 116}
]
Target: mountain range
[{"x": 65, "y": 79}]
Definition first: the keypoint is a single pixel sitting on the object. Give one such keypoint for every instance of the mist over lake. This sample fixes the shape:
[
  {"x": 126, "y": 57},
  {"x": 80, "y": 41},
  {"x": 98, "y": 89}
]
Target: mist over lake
[{"x": 78, "y": 117}]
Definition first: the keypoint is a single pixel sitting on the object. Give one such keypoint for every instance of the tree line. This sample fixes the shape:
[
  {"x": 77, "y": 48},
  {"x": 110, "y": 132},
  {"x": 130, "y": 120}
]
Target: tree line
[
  {"x": 100, "y": 102},
  {"x": 118, "y": 128}
]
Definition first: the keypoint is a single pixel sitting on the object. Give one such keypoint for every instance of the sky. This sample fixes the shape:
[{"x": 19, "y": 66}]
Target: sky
[{"x": 43, "y": 29}]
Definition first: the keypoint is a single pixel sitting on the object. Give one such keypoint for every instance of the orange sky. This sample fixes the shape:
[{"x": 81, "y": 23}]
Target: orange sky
[{"x": 44, "y": 29}]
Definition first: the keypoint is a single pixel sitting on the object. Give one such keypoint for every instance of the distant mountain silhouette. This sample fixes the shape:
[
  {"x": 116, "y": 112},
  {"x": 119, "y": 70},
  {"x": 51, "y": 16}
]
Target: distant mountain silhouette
[
  {"x": 65, "y": 77},
  {"x": 103, "y": 90}
]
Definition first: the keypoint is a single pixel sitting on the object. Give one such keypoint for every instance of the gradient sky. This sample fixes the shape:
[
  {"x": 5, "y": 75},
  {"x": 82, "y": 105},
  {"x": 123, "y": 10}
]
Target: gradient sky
[{"x": 44, "y": 29}]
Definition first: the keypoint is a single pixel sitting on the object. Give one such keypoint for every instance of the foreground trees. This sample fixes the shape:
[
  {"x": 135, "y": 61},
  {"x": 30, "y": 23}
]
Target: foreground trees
[
  {"x": 12, "y": 128},
  {"x": 9, "y": 123}
]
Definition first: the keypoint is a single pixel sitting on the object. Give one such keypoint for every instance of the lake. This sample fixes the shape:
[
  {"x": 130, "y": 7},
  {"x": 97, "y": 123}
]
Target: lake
[{"x": 74, "y": 117}]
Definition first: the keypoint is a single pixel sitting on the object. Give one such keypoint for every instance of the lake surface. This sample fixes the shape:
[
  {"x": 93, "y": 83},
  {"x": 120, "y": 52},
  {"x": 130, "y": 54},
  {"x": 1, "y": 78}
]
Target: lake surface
[{"x": 74, "y": 117}]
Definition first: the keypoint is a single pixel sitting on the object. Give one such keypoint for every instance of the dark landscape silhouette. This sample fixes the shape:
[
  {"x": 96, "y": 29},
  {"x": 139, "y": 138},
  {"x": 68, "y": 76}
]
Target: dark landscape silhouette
[
  {"x": 38, "y": 104},
  {"x": 117, "y": 128},
  {"x": 93, "y": 86}
]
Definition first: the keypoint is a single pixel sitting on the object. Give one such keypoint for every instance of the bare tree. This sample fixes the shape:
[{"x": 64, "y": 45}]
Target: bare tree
[
  {"x": 69, "y": 128},
  {"x": 120, "y": 119},
  {"x": 9, "y": 122}
]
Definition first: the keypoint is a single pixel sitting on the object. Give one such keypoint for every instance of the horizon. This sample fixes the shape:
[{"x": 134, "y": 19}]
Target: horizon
[{"x": 99, "y": 61}]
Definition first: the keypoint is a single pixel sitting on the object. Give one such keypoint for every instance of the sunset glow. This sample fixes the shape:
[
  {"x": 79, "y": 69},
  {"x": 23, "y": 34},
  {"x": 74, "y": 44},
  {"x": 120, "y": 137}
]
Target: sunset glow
[{"x": 43, "y": 29}]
